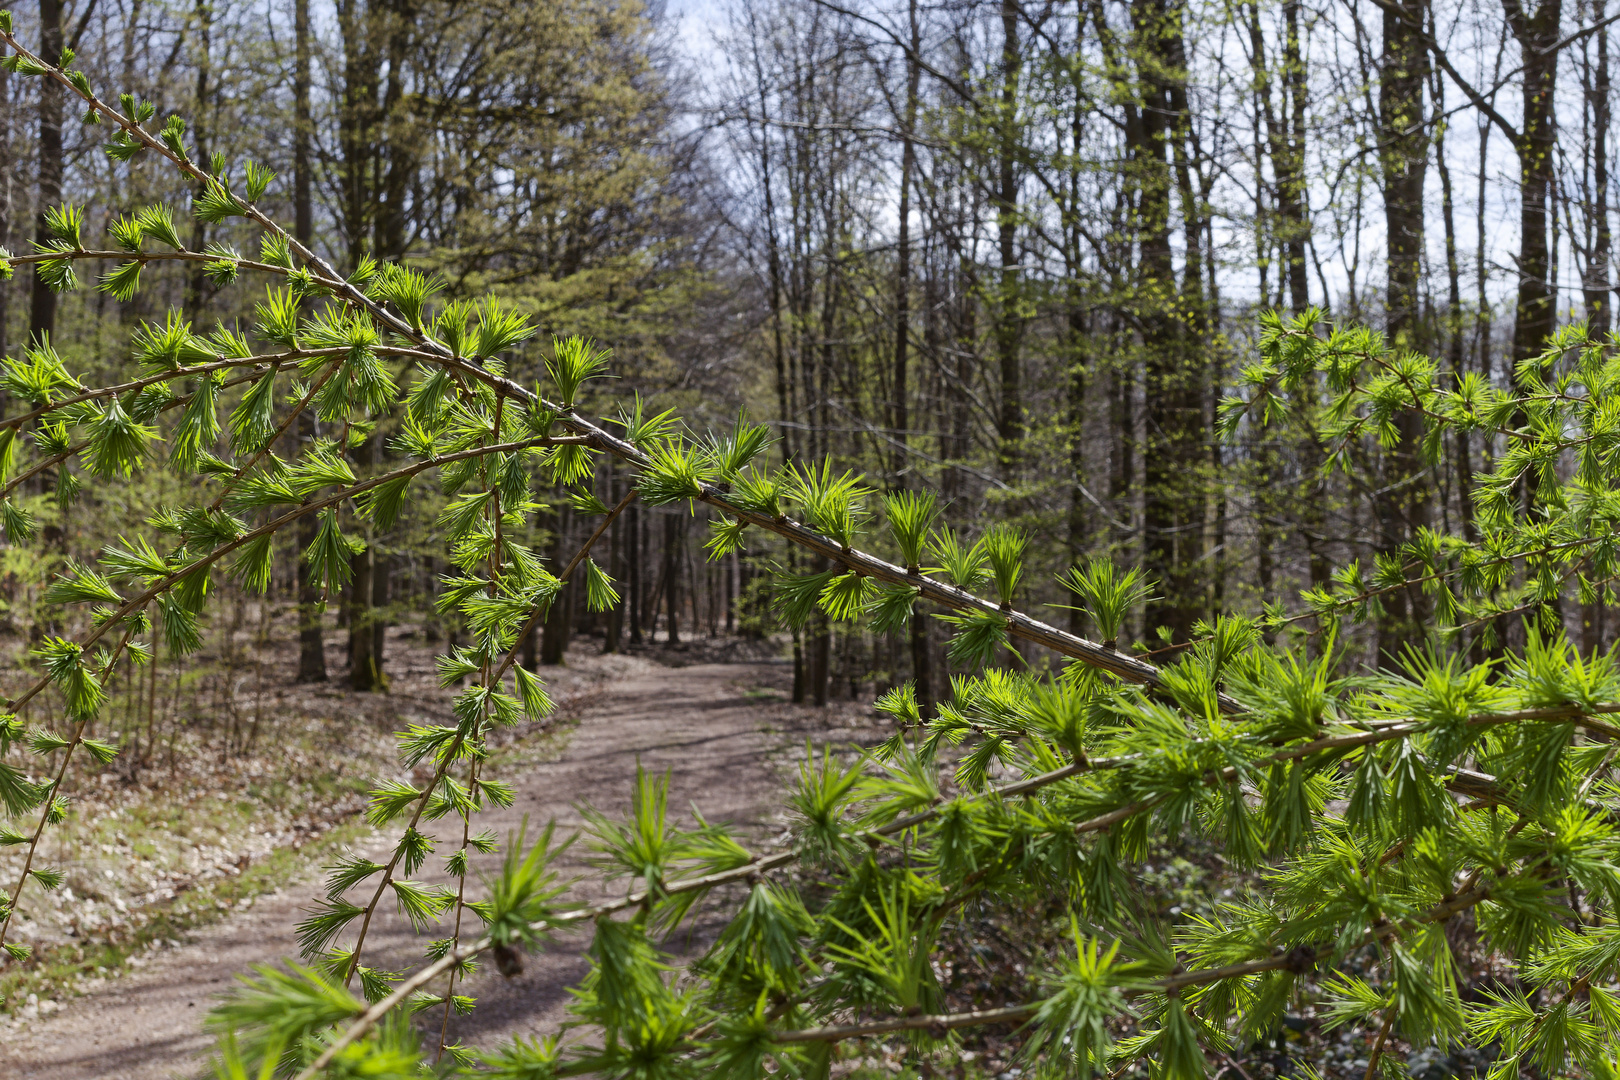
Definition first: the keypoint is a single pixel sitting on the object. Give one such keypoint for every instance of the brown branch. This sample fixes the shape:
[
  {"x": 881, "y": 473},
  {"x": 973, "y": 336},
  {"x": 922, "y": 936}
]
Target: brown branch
[
  {"x": 146, "y": 256},
  {"x": 143, "y": 383}
]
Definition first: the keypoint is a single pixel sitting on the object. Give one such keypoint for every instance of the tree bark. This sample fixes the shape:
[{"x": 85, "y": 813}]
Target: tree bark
[
  {"x": 1402, "y": 504},
  {"x": 1009, "y": 321},
  {"x": 1597, "y": 287},
  {"x": 1537, "y": 35},
  {"x": 1172, "y": 495},
  {"x": 900, "y": 422},
  {"x": 559, "y": 623},
  {"x": 637, "y": 560},
  {"x": 365, "y": 626},
  {"x": 196, "y": 282},
  {"x": 311, "y": 643},
  {"x": 1404, "y": 155},
  {"x": 672, "y": 576},
  {"x": 42, "y": 310},
  {"x": 363, "y": 673}
]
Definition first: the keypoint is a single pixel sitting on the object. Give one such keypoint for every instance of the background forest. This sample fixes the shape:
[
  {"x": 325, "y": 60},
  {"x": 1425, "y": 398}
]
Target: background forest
[
  {"x": 1021, "y": 255},
  {"x": 1013, "y": 252}
]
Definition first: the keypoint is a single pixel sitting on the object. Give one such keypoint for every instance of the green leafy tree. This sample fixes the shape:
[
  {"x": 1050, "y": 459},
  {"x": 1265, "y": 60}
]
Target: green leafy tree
[{"x": 1373, "y": 813}]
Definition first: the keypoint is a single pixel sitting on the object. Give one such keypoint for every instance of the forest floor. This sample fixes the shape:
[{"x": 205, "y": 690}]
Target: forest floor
[{"x": 719, "y": 725}]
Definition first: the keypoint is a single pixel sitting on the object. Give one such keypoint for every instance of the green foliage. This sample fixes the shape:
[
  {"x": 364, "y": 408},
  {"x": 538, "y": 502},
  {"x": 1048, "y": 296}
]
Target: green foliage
[
  {"x": 599, "y": 592},
  {"x": 520, "y": 899},
  {"x": 1109, "y": 594},
  {"x": 1003, "y": 549},
  {"x": 962, "y": 564},
  {"x": 408, "y": 290},
  {"x": 1368, "y": 812},
  {"x": 1072, "y": 1023},
  {"x": 275, "y": 1010},
  {"x": 736, "y": 450},
  {"x": 832, "y": 504},
  {"x": 674, "y": 471},
  {"x": 911, "y": 517},
  {"x": 499, "y": 329}
]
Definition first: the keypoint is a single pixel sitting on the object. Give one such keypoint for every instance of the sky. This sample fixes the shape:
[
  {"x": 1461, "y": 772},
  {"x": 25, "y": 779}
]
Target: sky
[{"x": 697, "y": 22}]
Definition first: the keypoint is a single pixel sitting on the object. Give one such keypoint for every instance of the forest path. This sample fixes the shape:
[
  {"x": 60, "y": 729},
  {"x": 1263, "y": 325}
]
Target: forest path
[{"x": 708, "y": 724}]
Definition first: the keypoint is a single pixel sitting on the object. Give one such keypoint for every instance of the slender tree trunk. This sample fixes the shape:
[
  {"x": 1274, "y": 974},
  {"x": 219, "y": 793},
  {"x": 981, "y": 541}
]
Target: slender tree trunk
[
  {"x": 672, "y": 575},
  {"x": 1537, "y": 35},
  {"x": 1172, "y": 495},
  {"x": 1599, "y": 306},
  {"x": 1285, "y": 142},
  {"x": 902, "y": 285},
  {"x": 729, "y": 567},
  {"x": 1404, "y": 155},
  {"x": 615, "y": 540},
  {"x": 196, "y": 282},
  {"x": 398, "y": 147},
  {"x": 382, "y": 572},
  {"x": 42, "y": 310},
  {"x": 1292, "y": 191},
  {"x": 363, "y": 673},
  {"x": 365, "y": 657},
  {"x": 1402, "y": 505},
  {"x": 1076, "y": 408},
  {"x": 311, "y": 643},
  {"x": 637, "y": 570},
  {"x": 356, "y": 127},
  {"x": 559, "y": 621},
  {"x": 1009, "y": 322},
  {"x": 1454, "y": 318},
  {"x": 820, "y": 660}
]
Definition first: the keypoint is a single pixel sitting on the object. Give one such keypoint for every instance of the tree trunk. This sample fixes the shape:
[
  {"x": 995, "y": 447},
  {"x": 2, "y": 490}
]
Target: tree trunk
[
  {"x": 902, "y": 286},
  {"x": 558, "y": 624},
  {"x": 196, "y": 282},
  {"x": 672, "y": 576},
  {"x": 311, "y": 643},
  {"x": 1291, "y": 182},
  {"x": 637, "y": 561},
  {"x": 356, "y": 128},
  {"x": 42, "y": 310},
  {"x": 365, "y": 655},
  {"x": 819, "y": 671},
  {"x": 363, "y": 674},
  {"x": 1402, "y": 505},
  {"x": 1172, "y": 496},
  {"x": 1599, "y": 308},
  {"x": 1537, "y": 34},
  {"x": 615, "y": 541},
  {"x": 922, "y": 672},
  {"x": 1009, "y": 322},
  {"x": 1454, "y": 317},
  {"x": 1404, "y": 155},
  {"x": 729, "y": 567},
  {"x": 382, "y": 572}
]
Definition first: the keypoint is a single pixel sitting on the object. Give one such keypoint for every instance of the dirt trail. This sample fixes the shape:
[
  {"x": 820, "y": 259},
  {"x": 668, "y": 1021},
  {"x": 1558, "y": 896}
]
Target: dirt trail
[{"x": 699, "y": 722}]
